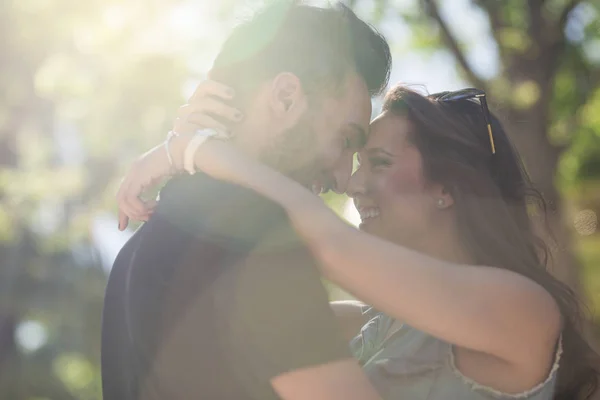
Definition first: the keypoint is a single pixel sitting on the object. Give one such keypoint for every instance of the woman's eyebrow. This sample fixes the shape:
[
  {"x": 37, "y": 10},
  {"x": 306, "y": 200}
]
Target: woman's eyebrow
[{"x": 378, "y": 150}]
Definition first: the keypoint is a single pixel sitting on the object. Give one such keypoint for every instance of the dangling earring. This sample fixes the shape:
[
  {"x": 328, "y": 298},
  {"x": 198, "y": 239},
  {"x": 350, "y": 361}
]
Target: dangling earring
[{"x": 441, "y": 203}]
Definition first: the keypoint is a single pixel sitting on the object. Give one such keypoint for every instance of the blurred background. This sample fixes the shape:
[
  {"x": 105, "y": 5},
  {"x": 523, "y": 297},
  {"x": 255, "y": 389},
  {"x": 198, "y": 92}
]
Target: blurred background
[{"x": 88, "y": 85}]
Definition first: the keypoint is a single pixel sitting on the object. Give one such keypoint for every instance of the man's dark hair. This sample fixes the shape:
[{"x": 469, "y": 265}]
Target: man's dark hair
[{"x": 319, "y": 45}]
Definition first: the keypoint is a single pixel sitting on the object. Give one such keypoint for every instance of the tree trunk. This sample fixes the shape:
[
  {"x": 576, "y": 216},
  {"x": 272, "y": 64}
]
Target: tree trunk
[
  {"x": 528, "y": 133},
  {"x": 541, "y": 161}
]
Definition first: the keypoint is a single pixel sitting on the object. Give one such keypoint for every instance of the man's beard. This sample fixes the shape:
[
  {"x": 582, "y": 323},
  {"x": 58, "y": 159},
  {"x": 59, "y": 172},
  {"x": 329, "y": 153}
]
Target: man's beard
[{"x": 294, "y": 152}]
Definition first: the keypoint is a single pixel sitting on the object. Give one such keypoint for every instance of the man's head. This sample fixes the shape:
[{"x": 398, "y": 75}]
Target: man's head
[{"x": 304, "y": 77}]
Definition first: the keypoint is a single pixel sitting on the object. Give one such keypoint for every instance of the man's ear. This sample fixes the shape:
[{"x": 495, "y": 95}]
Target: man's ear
[{"x": 287, "y": 99}]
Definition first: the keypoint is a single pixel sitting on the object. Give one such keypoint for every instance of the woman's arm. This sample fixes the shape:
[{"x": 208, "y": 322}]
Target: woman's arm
[
  {"x": 341, "y": 380},
  {"x": 490, "y": 310}
]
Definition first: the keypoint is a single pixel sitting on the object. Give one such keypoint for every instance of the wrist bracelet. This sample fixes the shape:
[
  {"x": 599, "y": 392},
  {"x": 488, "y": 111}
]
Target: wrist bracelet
[
  {"x": 170, "y": 136},
  {"x": 190, "y": 151}
]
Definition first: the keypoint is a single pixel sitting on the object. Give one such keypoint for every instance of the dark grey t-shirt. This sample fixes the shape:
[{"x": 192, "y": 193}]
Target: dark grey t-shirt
[{"x": 211, "y": 298}]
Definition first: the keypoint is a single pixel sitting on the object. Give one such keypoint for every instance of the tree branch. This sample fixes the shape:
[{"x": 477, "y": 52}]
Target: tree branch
[
  {"x": 537, "y": 24},
  {"x": 566, "y": 11},
  {"x": 434, "y": 12}
]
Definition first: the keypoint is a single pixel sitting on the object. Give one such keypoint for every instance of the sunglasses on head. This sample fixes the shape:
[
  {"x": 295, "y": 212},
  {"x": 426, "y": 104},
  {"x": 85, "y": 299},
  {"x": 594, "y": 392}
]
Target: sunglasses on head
[{"x": 468, "y": 94}]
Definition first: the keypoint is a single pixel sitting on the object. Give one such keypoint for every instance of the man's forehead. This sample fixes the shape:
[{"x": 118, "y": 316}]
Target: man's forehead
[
  {"x": 351, "y": 107},
  {"x": 350, "y": 111},
  {"x": 357, "y": 94}
]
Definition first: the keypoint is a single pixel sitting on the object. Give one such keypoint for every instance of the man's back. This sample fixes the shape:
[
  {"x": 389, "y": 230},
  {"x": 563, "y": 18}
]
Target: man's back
[{"x": 211, "y": 298}]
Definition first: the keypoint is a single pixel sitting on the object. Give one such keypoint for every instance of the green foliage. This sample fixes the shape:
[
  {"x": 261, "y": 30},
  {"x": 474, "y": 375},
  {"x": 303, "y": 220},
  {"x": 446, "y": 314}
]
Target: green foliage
[
  {"x": 514, "y": 40},
  {"x": 86, "y": 86},
  {"x": 588, "y": 250}
]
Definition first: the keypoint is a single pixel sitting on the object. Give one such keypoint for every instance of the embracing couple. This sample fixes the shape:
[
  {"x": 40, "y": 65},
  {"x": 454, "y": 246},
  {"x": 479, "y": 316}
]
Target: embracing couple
[{"x": 219, "y": 294}]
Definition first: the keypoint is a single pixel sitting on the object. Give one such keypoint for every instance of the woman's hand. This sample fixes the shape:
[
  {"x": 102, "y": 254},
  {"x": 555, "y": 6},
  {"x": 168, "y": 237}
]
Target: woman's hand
[
  {"x": 144, "y": 173},
  {"x": 204, "y": 109},
  {"x": 207, "y": 109},
  {"x": 214, "y": 157}
]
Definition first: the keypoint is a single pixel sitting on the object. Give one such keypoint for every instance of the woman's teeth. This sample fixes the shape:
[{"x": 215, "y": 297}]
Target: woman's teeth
[{"x": 369, "y": 213}]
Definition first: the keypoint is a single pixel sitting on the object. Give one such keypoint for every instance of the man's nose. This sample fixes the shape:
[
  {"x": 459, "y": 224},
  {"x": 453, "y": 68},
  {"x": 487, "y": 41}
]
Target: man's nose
[
  {"x": 355, "y": 185},
  {"x": 341, "y": 175},
  {"x": 340, "y": 183}
]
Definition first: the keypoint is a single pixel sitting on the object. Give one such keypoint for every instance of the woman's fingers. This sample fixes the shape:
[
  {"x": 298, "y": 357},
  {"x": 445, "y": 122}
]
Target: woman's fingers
[
  {"x": 217, "y": 108},
  {"x": 150, "y": 206},
  {"x": 133, "y": 207},
  {"x": 211, "y": 107},
  {"x": 206, "y": 109},
  {"x": 123, "y": 216},
  {"x": 205, "y": 121},
  {"x": 213, "y": 88},
  {"x": 123, "y": 220},
  {"x": 125, "y": 212},
  {"x": 128, "y": 201},
  {"x": 183, "y": 126},
  {"x": 134, "y": 192},
  {"x": 128, "y": 196}
]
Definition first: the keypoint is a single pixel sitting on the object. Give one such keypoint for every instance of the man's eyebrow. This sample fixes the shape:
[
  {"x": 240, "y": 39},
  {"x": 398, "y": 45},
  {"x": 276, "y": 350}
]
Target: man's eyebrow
[{"x": 361, "y": 133}]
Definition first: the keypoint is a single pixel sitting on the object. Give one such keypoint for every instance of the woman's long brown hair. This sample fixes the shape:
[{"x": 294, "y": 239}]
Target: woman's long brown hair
[{"x": 492, "y": 195}]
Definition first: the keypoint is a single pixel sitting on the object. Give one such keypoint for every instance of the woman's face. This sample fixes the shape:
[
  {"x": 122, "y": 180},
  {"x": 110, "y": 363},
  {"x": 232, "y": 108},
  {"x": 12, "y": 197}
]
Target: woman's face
[{"x": 389, "y": 190}]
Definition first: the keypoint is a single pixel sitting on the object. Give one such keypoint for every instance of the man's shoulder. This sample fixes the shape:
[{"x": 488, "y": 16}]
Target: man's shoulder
[
  {"x": 201, "y": 205},
  {"x": 199, "y": 192}
]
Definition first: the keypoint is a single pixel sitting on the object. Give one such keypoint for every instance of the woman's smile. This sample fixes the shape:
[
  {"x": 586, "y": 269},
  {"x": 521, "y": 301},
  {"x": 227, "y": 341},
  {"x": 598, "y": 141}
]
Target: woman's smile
[{"x": 367, "y": 214}]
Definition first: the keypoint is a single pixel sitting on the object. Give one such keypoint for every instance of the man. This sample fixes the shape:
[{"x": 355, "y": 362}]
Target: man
[{"x": 215, "y": 297}]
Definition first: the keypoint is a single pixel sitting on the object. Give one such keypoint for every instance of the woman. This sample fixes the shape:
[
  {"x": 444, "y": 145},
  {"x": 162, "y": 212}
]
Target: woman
[{"x": 446, "y": 253}]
